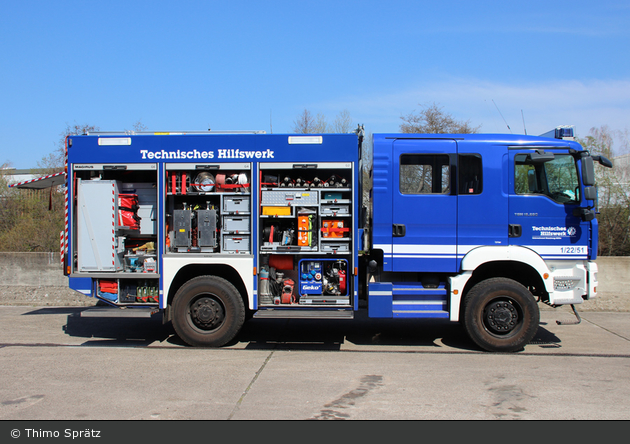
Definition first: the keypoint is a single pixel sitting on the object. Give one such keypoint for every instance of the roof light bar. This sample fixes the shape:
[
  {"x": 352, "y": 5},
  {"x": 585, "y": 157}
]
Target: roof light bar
[{"x": 564, "y": 132}]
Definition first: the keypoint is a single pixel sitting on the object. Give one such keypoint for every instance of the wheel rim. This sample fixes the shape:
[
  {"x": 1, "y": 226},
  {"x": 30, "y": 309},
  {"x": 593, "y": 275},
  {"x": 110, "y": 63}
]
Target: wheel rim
[
  {"x": 206, "y": 313},
  {"x": 502, "y": 316}
]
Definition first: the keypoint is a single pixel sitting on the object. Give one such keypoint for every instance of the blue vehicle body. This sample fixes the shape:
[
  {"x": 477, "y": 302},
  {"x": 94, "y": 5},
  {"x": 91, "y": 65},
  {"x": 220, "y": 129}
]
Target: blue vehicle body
[
  {"x": 431, "y": 225},
  {"x": 478, "y": 218}
]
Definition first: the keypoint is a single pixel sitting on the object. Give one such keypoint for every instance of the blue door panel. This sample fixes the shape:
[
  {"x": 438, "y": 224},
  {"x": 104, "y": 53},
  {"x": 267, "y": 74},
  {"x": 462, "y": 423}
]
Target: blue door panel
[
  {"x": 547, "y": 223},
  {"x": 482, "y": 215},
  {"x": 426, "y": 219}
]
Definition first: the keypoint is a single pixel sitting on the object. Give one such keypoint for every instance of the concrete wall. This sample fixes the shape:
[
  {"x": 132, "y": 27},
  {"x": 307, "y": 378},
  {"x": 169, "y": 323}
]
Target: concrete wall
[
  {"x": 37, "y": 279},
  {"x": 613, "y": 291},
  {"x": 32, "y": 270}
]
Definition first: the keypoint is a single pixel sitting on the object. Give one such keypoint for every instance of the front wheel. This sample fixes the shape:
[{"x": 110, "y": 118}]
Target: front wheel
[
  {"x": 500, "y": 315},
  {"x": 208, "y": 312}
]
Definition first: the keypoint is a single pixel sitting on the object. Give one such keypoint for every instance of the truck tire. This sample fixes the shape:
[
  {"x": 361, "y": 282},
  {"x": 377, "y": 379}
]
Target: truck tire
[
  {"x": 208, "y": 311},
  {"x": 500, "y": 315}
]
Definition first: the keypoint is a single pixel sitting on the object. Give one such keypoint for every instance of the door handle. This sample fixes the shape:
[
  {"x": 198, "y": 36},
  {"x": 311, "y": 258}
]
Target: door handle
[
  {"x": 399, "y": 230},
  {"x": 515, "y": 230}
]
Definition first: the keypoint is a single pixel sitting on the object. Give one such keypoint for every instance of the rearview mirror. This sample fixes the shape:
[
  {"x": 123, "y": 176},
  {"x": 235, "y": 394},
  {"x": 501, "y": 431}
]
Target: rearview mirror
[
  {"x": 603, "y": 161},
  {"x": 590, "y": 193},
  {"x": 588, "y": 172}
]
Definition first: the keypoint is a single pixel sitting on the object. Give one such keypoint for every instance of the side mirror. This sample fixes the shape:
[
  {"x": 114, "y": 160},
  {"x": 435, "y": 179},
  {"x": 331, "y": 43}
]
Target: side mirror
[
  {"x": 603, "y": 161},
  {"x": 590, "y": 193},
  {"x": 584, "y": 213},
  {"x": 588, "y": 172}
]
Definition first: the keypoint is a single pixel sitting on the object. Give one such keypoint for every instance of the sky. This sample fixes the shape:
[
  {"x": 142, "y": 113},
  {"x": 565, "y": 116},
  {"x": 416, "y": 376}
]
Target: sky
[{"x": 509, "y": 66}]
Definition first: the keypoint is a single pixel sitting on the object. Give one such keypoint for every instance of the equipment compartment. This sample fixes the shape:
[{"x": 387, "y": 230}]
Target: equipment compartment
[
  {"x": 313, "y": 281},
  {"x": 305, "y": 222},
  {"x": 113, "y": 213},
  {"x": 206, "y": 205},
  {"x": 323, "y": 281},
  {"x": 128, "y": 291}
]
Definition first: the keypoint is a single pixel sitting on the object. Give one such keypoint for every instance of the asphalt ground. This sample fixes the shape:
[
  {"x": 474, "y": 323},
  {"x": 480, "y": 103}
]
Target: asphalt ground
[{"x": 59, "y": 366}]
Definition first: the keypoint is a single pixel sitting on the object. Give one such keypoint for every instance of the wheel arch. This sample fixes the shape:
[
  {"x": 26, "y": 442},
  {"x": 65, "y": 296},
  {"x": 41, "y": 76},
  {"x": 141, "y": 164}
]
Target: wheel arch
[
  {"x": 520, "y": 264},
  {"x": 523, "y": 273}
]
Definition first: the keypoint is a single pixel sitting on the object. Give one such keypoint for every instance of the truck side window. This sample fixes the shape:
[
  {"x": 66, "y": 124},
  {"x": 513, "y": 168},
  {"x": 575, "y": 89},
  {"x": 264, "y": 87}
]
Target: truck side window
[
  {"x": 557, "y": 179},
  {"x": 425, "y": 174},
  {"x": 470, "y": 178}
]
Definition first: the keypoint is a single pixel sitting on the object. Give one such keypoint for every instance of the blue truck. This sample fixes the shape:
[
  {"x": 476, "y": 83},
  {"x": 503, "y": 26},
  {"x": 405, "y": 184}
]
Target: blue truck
[{"x": 212, "y": 229}]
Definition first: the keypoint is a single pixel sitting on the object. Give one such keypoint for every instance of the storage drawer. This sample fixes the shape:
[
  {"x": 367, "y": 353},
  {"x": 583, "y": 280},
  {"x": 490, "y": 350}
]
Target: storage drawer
[
  {"x": 235, "y": 244},
  {"x": 288, "y": 197},
  {"x": 236, "y": 204},
  {"x": 335, "y": 247},
  {"x": 335, "y": 210},
  {"x": 236, "y": 224}
]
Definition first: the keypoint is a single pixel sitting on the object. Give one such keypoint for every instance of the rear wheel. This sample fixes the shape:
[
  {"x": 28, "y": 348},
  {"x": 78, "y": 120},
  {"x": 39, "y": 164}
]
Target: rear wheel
[
  {"x": 208, "y": 312},
  {"x": 500, "y": 315}
]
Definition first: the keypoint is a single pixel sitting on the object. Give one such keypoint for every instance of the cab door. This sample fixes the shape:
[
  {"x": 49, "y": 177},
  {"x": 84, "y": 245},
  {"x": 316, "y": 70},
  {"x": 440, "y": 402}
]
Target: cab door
[
  {"x": 544, "y": 192},
  {"x": 424, "y": 205}
]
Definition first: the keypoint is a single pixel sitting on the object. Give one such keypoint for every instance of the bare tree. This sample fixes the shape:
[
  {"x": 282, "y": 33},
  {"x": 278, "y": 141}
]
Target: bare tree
[
  {"x": 139, "y": 127},
  {"x": 342, "y": 123},
  {"x": 305, "y": 123},
  {"x": 321, "y": 125},
  {"x": 55, "y": 161},
  {"x": 433, "y": 120}
]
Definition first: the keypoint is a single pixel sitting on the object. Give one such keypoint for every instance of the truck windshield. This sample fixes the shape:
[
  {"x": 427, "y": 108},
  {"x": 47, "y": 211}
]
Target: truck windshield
[{"x": 558, "y": 178}]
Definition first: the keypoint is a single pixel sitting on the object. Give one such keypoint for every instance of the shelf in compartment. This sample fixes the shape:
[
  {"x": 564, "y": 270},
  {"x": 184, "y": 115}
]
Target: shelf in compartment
[
  {"x": 127, "y": 230},
  {"x": 330, "y": 189},
  {"x": 287, "y": 249},
  {"x": 335, "y": 201},
  {"x": 115, "y": 275},
  {"x": 277, "y": 217}
]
